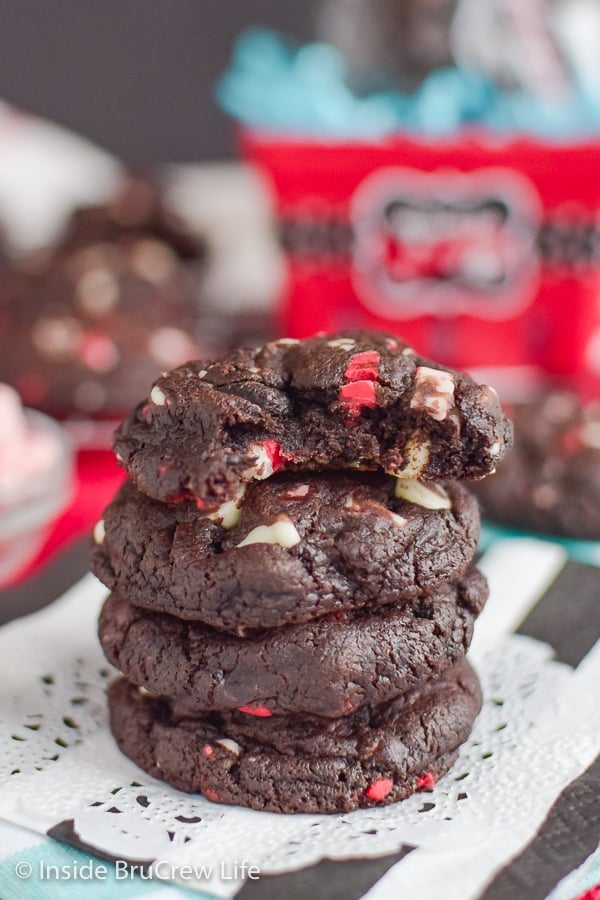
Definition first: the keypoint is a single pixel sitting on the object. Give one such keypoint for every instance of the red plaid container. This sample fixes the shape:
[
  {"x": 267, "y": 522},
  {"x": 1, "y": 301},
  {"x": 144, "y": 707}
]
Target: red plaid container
[{"x": 480, "y": 251}]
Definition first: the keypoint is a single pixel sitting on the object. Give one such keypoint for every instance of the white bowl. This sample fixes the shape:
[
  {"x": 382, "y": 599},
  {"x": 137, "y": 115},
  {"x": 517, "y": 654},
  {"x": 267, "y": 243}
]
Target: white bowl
[{"x": 26, "y": 517}]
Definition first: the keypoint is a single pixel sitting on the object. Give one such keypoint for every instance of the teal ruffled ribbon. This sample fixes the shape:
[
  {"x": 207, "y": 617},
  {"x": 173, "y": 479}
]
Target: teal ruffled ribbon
[{"x": 277, "y": 86}]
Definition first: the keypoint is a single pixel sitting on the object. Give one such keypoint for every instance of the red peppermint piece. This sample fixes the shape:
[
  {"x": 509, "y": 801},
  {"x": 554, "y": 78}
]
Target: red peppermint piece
[
  {"x": 273, "y": 451},
  {"x": 340, "y": 615},
  {"x": 426, "y": 782},
  {"x": 207, "y": 750},
  {"x": 363, "y": 366},
  {"x": 211, "y": 795},
  {"x": 200, "y": 504},
  {"x": 379, "y": 789},
  {"x": 357, "y": 395},
  {"x": 261, "y": 711}
]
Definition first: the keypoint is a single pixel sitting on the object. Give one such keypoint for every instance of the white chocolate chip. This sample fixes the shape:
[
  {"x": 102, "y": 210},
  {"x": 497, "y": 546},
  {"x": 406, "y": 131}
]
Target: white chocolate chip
[
  {"x": 282, "y": 532},
  {"x": 157, "y": 396},
  {"x": 408, "y": 351},
  {"x": 428, "y": 496},
  {"x": 416, "y": 453},
  {"x": 99, "y": 532},
  {"x": 349, "y": 501},
  {"x": 362, "y": 466},
  {"x": 493, "y": 391},
  {"x": 342, "y": 344},
  {"x": 495, "y": 450},
  {"x": 202, "y": 373},
  {"x": 398, "y": 520},
  {"x": 143, "y": 692},
  {"x": 263, "y": 467},
  {"x": 229, "y": 513},
  {"x": 230, "y": 745},
  {"x": 242, "y": 631},
  {"x": 286, "y": 342},
  {"x": 434, "y": 392},
  {"x": 590, "y": 435},
  {"x": 302, "y": 490}
]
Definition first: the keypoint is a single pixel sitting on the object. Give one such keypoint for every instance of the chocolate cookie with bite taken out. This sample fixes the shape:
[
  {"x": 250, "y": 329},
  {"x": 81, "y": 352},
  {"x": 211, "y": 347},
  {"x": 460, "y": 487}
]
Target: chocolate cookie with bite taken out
[{"x": 358, "y": 399}]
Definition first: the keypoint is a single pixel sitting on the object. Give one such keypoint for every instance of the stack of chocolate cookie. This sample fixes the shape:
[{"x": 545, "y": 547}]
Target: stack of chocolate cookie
[{"x": 292, "y": 619}]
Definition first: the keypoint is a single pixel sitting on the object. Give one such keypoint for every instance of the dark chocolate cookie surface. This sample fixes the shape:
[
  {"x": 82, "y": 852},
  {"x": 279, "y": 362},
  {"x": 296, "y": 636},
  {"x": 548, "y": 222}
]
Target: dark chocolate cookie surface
[
  {"x": 357, "y": 399},
  {"x": 302, "y": 764},
  {"x": 137, "y": 210},
  {"x": 293, "y": 548},
  {"x": 329, "y": 667},
  {"x": 550, "y": 483}
]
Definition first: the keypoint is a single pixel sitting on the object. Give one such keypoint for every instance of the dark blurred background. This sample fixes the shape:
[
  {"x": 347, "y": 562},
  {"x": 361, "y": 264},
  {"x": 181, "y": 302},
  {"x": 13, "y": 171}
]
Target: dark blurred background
[{"x": 136, "y": 76}]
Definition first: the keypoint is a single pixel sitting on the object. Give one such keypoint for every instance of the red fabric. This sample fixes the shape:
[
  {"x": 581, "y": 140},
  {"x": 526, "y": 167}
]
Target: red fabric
[{"x": 97, "y": 477}]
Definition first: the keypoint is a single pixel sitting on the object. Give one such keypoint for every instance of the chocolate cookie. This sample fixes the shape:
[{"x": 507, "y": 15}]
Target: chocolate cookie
[
  {"x": 551, "y": 481},
  {"x": 302, "y": 764},
  {"x": 137, "y": 210},
  {"x": 112, "y": 306},
  {"x": 297, "y": 546},
  {"x": 353, "y": 400},
  {"x": 330, "y": 667}
]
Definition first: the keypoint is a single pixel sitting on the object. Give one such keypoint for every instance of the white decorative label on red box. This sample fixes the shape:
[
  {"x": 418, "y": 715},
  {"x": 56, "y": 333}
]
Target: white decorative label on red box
[{"x": 446, "y": 243}]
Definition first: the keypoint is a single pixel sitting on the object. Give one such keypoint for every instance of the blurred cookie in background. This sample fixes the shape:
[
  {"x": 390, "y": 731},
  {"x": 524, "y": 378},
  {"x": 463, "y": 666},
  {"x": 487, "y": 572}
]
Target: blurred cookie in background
[
  {"x": 550, "y": 483},
  {"x": 136, "y": 211},
  {"x": 113, "y": 304}
]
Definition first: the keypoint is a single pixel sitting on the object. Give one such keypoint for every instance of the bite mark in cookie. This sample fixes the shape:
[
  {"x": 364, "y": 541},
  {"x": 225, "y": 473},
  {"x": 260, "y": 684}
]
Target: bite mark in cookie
[{"x": 318, "y": 404}]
